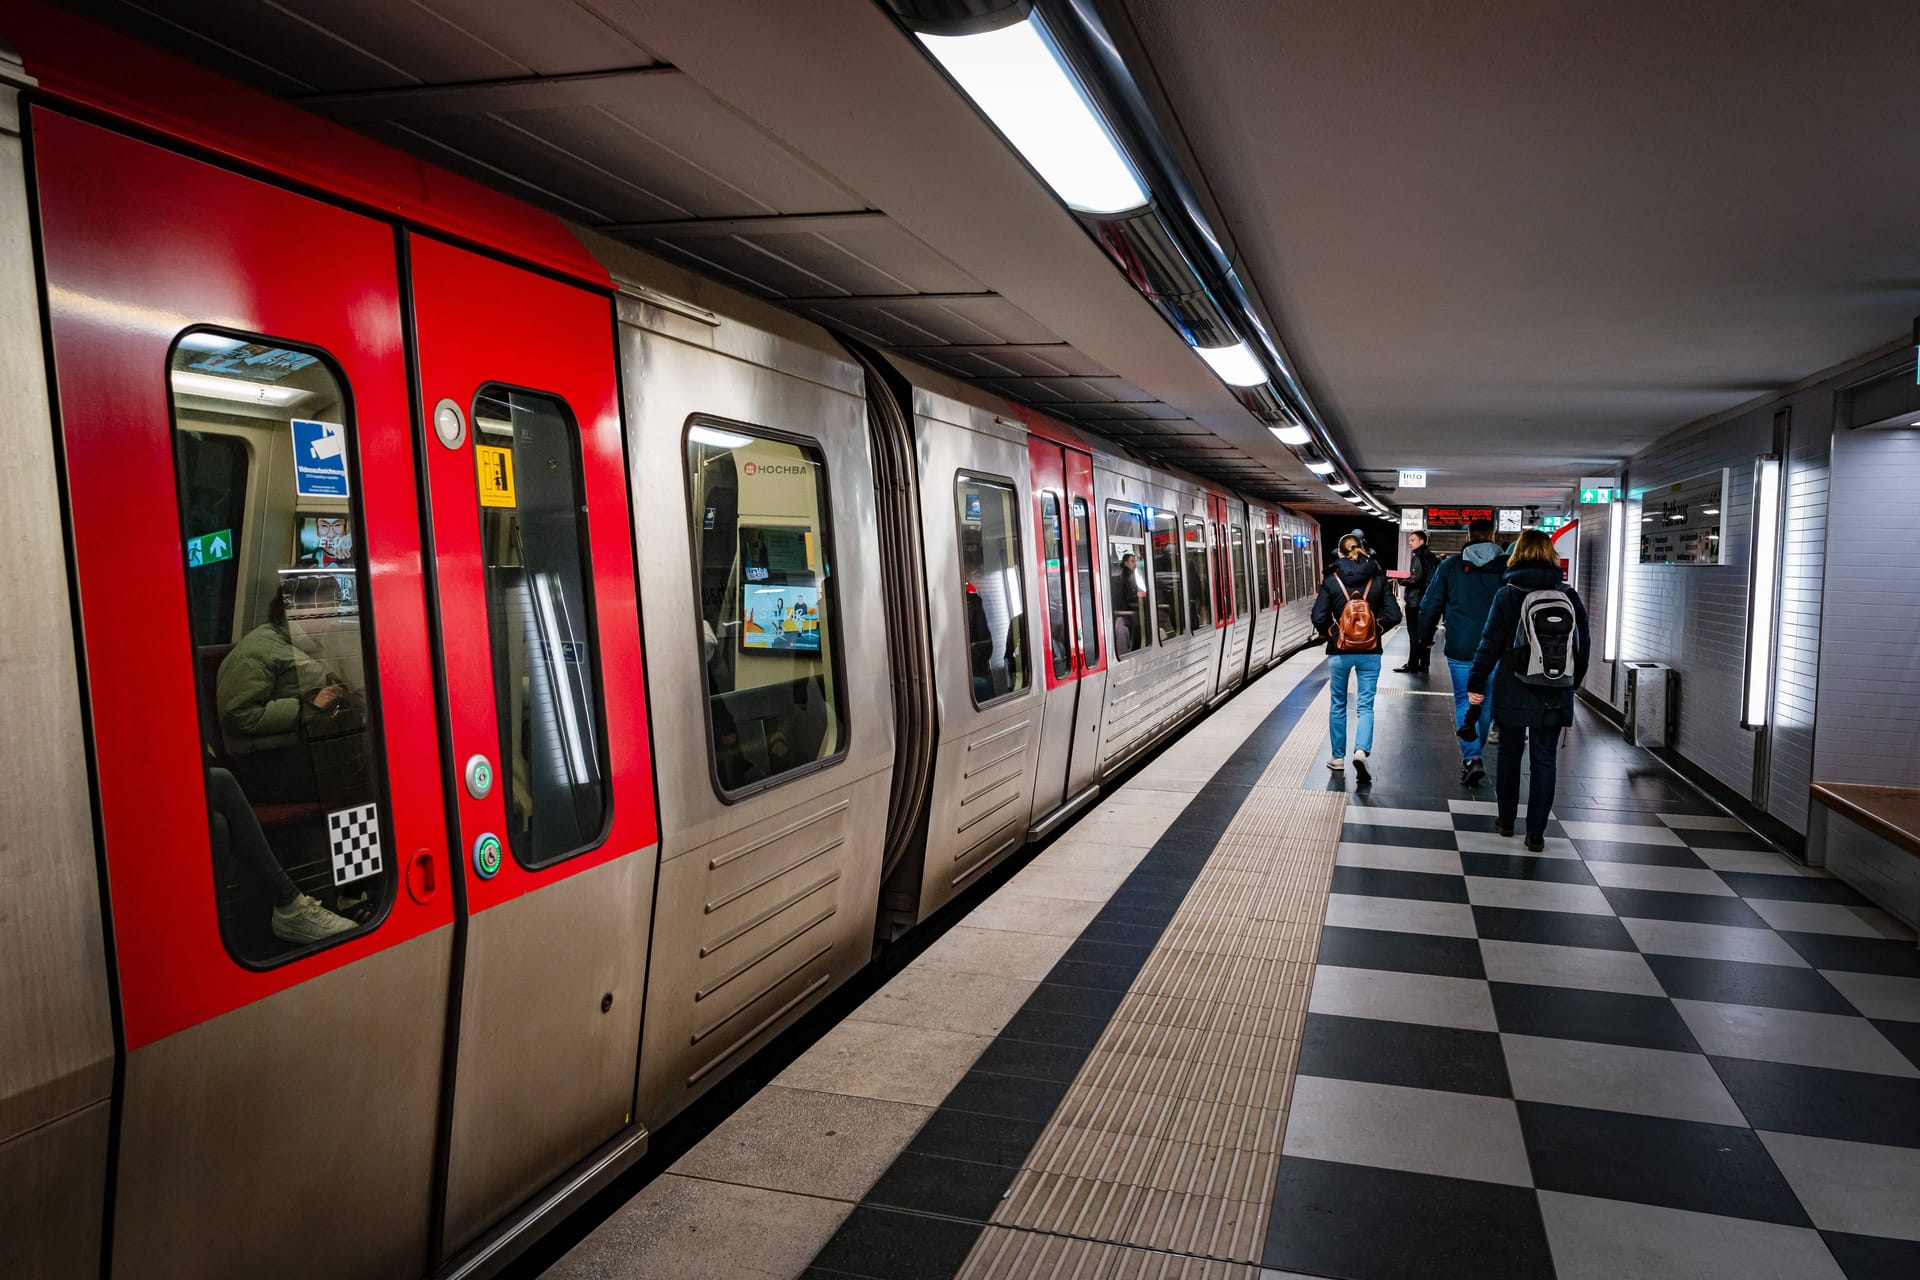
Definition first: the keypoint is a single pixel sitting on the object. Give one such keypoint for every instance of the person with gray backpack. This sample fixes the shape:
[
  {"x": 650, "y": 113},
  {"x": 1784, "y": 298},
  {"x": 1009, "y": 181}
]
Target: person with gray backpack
[{"x": 1536, "y": 635}]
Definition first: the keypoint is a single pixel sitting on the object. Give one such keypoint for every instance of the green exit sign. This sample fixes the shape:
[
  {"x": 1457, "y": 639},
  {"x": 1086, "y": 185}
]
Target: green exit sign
[
  {"x": 1601, "y": 496},
  {"x": 210, "y": 548}
]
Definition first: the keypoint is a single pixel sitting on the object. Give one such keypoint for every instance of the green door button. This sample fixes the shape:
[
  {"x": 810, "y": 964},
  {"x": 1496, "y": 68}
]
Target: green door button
[{"x": 486, "y": 856}]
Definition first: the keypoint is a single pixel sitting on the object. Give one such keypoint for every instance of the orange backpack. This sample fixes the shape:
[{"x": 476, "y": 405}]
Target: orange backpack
[{"x": 1357, "y": 631}]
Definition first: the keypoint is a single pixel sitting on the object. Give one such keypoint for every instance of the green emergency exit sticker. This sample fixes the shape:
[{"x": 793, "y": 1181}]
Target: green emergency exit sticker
[
  {"x": 210, "y": 548},
  {"x": 1595, "y": 496}
]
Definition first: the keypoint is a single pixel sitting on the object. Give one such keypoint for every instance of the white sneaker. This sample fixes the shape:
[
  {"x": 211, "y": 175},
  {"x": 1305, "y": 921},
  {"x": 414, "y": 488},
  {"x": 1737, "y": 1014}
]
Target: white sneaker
[
  {"x": 1336, "y": 764},
  {"x": 305, "y": 920},
  {"x": 1360, "y": 770}
]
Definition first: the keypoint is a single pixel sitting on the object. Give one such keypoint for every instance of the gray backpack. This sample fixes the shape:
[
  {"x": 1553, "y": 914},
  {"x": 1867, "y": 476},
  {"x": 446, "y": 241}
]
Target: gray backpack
[{"x": 1543, "y": 642}]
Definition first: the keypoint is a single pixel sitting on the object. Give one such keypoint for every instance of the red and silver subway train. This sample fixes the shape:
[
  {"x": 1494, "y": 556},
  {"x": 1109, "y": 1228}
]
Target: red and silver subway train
[{"x": 470, "y": 684}]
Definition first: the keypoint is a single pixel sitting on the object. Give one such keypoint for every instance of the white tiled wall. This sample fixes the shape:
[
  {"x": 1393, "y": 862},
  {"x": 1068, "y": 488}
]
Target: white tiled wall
[
  {"x": 1869, "y": 707},
  {"x": 1693, "y": 618}
]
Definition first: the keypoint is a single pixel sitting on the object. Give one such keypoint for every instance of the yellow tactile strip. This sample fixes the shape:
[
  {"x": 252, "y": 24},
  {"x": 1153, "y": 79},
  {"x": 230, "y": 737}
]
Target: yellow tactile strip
[{"x": 1169, "y": 1139}]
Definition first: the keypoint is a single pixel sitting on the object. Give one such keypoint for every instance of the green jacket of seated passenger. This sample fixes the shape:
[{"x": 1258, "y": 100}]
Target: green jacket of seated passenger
[{"x": 262, "y": 687}]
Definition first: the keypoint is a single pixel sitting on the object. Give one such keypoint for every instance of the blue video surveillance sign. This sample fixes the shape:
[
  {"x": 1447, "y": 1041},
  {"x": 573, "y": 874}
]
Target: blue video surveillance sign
[{"x": 319, "y": 459}]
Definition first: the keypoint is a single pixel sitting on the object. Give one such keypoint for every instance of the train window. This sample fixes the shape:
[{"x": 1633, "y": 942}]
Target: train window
[
  {"x": 1053, "y": 558},
  {"x": 1126, "y": 577},
  {"x": 1166, "y": 575},
  {"x": 540, "y": 614},
  {"x": 263, "y": 460},
  {"x": 1242, "y": 598},
  {"x": 993, "y": 597},
  {"x": 1262, "y": 587},
  {"x": 1083, "y": 583},
  {"x": 769, "y": 615},
  {"x": 1199, "y": 613}
]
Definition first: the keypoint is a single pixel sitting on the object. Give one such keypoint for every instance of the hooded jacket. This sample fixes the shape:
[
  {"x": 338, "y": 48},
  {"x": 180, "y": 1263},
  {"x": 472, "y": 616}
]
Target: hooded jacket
[
  {"x": 1463, "y": 592},
  {"x": 1515, "y": 702},
  {"x": 1331, "y": 600}
]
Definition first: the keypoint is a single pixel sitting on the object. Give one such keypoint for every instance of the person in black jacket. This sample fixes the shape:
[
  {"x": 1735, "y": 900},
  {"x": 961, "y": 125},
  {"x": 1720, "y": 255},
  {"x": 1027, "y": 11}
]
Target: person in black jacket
[
  {"x": 1421, "y": 566},
  {"x": 1524, "y": 711},
  {"x": 1356, "y": 574}
]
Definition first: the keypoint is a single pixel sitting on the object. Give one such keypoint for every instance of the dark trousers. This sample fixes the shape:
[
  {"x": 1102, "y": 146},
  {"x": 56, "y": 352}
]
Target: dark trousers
[
  {"x": 1540, "y": 743},
  {"x": 1419, "y": 640},
  {"x": 236, "y": 829}
]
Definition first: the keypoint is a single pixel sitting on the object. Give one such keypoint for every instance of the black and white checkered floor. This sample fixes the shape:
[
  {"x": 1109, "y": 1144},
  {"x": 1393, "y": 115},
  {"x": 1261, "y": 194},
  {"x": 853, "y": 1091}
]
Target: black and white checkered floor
[{"x": 1660, "y": 1049}]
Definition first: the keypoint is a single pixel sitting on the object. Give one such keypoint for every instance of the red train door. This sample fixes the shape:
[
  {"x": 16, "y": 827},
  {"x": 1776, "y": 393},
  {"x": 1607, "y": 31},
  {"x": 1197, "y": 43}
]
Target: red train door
[
  {"x": 532, "y": 555},
  {"x": 1063, "y": 514},
  {"x": 240, "y": 469}
]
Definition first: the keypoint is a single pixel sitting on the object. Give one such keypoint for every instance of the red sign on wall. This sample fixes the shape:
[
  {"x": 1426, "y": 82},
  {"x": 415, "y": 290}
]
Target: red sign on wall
[{"x": 1457, "y": 517}]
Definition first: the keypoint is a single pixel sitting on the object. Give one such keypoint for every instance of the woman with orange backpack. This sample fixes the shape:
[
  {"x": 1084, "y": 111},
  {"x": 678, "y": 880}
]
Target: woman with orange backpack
[{"x": 1354, "y": 610}]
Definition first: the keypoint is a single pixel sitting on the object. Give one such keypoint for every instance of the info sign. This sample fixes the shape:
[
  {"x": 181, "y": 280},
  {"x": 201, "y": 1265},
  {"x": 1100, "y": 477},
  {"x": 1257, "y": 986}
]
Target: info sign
[
  {"x": 1413, "y": 479},
  {"x": 1413, "y": 519}
]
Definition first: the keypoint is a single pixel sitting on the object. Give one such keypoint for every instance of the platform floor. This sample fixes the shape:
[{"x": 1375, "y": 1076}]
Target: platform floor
[{"x": 1244, "y": 1021}]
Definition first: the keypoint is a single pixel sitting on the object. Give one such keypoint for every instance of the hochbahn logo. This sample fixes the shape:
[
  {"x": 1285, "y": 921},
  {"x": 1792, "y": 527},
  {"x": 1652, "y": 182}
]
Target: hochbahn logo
[{"x": 776, "y": 468}]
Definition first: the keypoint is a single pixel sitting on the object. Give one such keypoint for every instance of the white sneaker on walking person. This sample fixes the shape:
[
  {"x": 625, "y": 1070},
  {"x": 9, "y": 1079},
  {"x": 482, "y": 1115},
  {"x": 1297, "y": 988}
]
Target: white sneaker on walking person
[{"x": 1360, "y": 769}]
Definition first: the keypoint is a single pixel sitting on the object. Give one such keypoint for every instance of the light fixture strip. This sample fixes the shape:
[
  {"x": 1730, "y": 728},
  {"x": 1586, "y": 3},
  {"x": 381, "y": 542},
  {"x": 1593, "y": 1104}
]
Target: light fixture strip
[
  {"x": 1763, "y": 571},
  {"x": 1017, "y": 79},
  {"x": 1616, "y": 569}
]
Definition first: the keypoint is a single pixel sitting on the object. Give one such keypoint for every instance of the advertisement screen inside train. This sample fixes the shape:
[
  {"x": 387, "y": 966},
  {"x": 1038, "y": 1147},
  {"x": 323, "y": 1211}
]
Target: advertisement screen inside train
[{"x": 779, "y": 593}]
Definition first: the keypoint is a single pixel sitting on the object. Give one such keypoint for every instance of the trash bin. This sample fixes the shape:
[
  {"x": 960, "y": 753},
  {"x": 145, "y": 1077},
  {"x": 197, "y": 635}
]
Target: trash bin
[{"x": 1650, "y": 691}]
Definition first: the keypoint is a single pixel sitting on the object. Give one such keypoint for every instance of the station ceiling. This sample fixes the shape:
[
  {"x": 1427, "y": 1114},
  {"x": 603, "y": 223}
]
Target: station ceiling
[{"x": 1507, "y": 242}]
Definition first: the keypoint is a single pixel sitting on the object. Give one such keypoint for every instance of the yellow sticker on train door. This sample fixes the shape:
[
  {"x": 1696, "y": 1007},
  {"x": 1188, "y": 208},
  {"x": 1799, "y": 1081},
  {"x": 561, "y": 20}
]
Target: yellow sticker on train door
[{"x": 496, "y": 475}]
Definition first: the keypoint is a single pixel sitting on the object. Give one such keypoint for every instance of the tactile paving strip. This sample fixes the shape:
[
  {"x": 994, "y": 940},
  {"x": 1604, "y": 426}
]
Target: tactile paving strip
[{"x": 1169, "y": 1140}]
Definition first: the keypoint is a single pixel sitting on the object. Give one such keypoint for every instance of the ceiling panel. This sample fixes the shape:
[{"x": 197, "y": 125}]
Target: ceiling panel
[{"x": 573, "y": 109}]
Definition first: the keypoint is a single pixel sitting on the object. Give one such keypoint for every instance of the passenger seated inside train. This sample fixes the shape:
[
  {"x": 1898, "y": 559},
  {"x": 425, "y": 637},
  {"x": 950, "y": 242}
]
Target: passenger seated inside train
[{"x": 281, "y": 714}]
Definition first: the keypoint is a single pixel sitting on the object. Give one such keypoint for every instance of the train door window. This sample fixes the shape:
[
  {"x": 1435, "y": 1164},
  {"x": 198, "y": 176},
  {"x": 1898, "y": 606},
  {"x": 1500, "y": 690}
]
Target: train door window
[
  {"x": 769, "y": 615},
  {"x": 263, "y": 460},
  {"x": 1262, "y": 588},
  {"x": 540, "y": 614},
  {"x": 1126, "y": 577},
  {"x": 1054, "y": 568},
  {"x": 1222, "y": 574},
  {"x": 1166, "y": 575},
  {"x": 993, "y": 596},
  {"x": 1199, "y": 613},
  {"x": 1242, "y": 598},
  {"x": 1083, "y": 584}
]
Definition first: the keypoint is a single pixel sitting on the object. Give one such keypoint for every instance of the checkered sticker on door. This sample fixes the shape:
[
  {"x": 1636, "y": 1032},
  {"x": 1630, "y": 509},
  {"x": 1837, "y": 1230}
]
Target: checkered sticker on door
[{"x": 354, "y": 837}]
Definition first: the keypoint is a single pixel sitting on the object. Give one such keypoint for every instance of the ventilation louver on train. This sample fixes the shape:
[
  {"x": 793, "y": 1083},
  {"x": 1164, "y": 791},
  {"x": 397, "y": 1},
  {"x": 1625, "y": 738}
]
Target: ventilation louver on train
[{"x": 1052, "y": 77}]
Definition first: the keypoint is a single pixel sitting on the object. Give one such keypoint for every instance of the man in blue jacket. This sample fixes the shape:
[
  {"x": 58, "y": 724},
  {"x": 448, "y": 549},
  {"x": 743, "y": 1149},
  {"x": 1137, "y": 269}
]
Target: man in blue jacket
[{"x": 1462, "y": 592}]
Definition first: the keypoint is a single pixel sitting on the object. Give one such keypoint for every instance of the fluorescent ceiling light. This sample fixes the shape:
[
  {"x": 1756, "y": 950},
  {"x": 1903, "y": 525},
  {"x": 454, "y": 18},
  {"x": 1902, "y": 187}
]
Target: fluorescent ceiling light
[
  {"x": 718, "y": 439},
  {"x": 1236, "y": 365},
  {"x": 1709, "y": 511},
  {"x": 1292, "y": 434},
  {"x": 1319, "y": 466},
  {"x": 189, "y": 383},
  {"x": 1339, "y": 486},
  {"x": 1019, "y": 83}
]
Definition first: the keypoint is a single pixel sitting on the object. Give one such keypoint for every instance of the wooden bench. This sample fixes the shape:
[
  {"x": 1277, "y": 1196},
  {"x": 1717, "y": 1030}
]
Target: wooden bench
[{"x": 1892, "y": 813}]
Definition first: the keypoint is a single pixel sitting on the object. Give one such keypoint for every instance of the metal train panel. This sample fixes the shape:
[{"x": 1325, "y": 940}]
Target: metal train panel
[{"x": 753, "y": 499}]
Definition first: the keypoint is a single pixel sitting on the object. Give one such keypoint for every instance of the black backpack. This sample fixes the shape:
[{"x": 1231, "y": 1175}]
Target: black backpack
[{"x": 1542, "y": 652}]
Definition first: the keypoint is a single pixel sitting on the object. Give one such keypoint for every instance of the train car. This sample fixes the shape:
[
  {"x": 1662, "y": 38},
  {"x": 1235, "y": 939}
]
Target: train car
[{"x": 484, "y": 682}]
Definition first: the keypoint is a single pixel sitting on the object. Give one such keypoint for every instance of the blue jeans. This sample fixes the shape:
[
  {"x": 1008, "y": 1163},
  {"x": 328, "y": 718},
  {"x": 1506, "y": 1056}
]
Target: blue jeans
[
  {"x": 1367, "y": 666},
  {"x": 1539, "y": 744},
  {"x": 1470, "y": 748}
]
